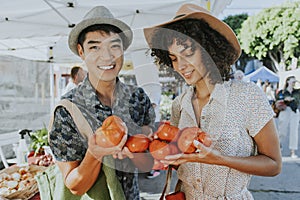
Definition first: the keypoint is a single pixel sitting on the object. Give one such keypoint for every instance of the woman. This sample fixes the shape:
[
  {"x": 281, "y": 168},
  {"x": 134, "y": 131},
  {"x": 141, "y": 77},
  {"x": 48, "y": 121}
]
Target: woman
[
  {"x": 288, "y": 119},
  {"x": 236, "y": 114}
]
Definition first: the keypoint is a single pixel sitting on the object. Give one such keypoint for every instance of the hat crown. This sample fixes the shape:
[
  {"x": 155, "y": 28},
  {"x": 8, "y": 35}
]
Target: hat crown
[
  {"x": 98, "y": 12},
  {"x": 187, "y": 9}
]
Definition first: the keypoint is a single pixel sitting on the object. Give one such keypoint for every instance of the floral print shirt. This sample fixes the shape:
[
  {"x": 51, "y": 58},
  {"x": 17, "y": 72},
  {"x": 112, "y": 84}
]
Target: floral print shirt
[{"x": 131, "y": 104}]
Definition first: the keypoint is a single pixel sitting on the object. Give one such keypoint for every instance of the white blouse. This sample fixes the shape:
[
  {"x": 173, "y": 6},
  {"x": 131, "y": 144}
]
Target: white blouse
[{"x": 235, "y": 113}]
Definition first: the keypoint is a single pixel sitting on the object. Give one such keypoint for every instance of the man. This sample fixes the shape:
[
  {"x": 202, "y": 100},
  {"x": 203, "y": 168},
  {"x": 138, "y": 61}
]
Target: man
[
  {"x": 100, "y": 40},
  {"x": 77, "y": 76}
]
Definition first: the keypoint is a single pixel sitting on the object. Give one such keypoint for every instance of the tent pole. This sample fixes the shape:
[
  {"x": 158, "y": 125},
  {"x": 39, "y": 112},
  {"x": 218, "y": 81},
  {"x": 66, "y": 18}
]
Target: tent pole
[{"x": 51, "y": 78}]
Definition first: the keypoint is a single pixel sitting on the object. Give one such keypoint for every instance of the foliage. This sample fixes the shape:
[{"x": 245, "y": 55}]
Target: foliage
[
  {"x": 274, "y": 33},
  {"x": 165, "y": 106},
  {"x": 39, "y": 139},
  {"x": 235, "y": 22}
]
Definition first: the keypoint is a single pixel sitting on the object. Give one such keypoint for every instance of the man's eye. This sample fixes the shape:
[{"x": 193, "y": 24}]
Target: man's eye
[{"x": 95, "y": 47}]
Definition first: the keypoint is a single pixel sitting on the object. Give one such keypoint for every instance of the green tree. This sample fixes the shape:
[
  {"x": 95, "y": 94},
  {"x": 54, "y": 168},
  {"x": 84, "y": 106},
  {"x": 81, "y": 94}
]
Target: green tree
[
  {"x": 274, "y": 33},
  {"x": 235, "y": 22}
]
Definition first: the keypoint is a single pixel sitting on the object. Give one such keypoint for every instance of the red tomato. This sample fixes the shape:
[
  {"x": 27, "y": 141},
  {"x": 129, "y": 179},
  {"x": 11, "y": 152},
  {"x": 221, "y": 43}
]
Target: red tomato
[
  {"x": 159, "y": 149},
  {"x": 138, "y": 143},
  {"x": 111, "y": 132},
  {"x": 114, "y": 122},
  {"x": 204, "y": 138},
  {"x": 173, "y": 148},
  {"x": 186, "y": 138},
  {"x": 167, "y": 132},
  {"x": 188, "y": 135}
]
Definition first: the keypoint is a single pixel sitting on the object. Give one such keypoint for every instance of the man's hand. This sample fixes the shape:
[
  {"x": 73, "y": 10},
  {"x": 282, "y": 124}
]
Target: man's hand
[{"x": 98, "y": 152}]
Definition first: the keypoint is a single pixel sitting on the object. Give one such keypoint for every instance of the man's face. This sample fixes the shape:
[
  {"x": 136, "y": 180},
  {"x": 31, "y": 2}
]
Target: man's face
[{"x": 102, "y": 54}]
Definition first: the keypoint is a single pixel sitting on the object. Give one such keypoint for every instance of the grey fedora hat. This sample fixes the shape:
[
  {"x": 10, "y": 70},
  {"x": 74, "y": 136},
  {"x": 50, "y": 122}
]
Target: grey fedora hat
[{"x": 98, "y": 15}]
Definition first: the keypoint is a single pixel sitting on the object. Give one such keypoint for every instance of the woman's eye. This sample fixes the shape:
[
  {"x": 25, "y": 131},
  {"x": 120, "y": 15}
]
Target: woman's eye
[
  {"x": 116, "y": 46},
  {"x": 189, "y": 54},
  {"x": 173, "y": 58}
]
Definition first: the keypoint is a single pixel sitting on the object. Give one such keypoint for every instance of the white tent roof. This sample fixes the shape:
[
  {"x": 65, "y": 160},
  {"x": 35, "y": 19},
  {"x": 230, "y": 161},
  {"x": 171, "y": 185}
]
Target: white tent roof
[{"x": 29, "y": 28}]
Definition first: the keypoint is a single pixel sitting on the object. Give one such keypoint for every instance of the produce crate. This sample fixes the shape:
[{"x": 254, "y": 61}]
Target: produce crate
[{"x": 18, "y": 182}]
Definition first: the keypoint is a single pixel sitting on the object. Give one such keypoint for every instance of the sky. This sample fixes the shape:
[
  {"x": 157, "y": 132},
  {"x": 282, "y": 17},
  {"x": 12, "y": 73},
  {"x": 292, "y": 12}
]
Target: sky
[{"x": 251, "y": 7}]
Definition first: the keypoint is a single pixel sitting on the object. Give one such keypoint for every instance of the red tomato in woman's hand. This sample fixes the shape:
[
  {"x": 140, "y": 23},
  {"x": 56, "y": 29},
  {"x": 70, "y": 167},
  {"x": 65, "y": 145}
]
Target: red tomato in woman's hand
[
  {"x": 111, "y": 132},
  {"x": 186, "y": 138},
  {"x": 138, "y": 143},
  {"x": 188, "y": 135},
  {"x": 204, "y": 138},
  {"x": 159, "y": 149},
  {"x": 167, "y": 132},
  {"x": 174, "y": 148}
]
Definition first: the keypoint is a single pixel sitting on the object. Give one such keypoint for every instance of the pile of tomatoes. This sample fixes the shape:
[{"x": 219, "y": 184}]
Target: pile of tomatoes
[{"x": 167, "y": 140}]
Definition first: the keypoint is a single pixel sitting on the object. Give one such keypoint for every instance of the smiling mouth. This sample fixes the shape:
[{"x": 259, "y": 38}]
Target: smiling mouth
[
  {"x": 106, "y": 67},
  {"x": 188, "y": 74}
]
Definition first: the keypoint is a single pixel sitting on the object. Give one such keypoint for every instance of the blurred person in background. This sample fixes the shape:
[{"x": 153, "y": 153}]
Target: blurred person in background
[
  {"x": 77, "y": 76},
  {"x": 238, "y": 75},
  {"x": 155, "y": 102},
  {"x": 287, "y": 101}
]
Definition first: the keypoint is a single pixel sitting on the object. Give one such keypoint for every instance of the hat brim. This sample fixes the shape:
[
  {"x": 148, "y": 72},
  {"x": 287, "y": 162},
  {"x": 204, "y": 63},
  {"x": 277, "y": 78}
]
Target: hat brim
[
  {"x": 213, "y": 22},
  {"x": 74, "y": 34}
]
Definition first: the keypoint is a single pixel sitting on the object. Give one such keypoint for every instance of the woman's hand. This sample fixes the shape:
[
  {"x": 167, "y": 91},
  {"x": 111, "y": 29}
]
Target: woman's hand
[
  {"x": 203, "y": 154},
  {"x": 98, "y": 152}
]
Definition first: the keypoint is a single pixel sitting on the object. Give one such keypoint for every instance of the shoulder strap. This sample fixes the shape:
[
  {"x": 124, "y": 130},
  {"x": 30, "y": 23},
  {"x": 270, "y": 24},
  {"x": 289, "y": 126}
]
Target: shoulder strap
[
  {"x": 80, "y": 121},
  {"x": 166, "y": 189},
  {"x": 85, "y": 129}
]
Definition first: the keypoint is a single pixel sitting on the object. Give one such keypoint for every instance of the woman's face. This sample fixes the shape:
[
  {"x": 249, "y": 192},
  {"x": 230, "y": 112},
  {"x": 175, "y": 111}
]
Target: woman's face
[{"x": 187, "y": 62}]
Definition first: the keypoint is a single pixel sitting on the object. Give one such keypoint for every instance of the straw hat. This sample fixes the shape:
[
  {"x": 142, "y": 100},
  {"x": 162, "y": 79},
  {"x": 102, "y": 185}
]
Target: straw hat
[
  {"x": 98, "y": 15},
  {"x": 192, "y": 11}
]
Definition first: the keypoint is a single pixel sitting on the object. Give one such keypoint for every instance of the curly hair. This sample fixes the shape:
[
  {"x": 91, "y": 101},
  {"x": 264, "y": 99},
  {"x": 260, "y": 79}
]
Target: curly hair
[{"x": 221, "y": 52}]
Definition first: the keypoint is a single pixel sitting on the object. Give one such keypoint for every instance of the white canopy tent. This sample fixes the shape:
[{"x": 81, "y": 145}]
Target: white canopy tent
[
  {"x": 38, "y": 29},
  {"x": 29, "y": 28}
]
